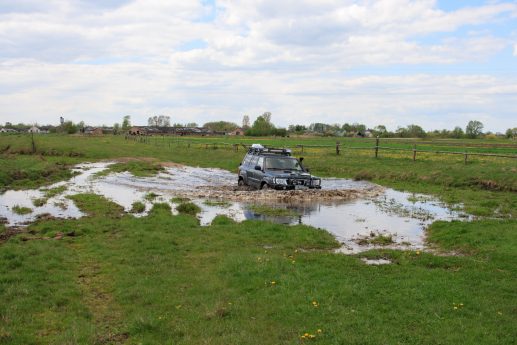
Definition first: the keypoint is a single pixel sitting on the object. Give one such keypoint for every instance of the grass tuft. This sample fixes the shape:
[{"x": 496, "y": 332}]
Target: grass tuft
[
  {"x": 217, "y": 203},
  {"x": 272, "y": 211},
  {"x": 21, "y": 210},
  {"x": 188, "y": 208},
  {"x": 179, "y": 199},
  {"x": 137, "y": 207}
]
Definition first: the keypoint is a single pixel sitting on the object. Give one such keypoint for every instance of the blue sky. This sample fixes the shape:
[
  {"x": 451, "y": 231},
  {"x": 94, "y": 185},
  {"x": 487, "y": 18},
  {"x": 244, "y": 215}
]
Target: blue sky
[{"x": 437, "y": 64}]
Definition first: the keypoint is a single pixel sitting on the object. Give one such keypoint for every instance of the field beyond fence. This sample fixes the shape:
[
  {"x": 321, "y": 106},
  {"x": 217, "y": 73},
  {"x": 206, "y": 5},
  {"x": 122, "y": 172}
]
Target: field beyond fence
[{"x": 414, "y": 149}]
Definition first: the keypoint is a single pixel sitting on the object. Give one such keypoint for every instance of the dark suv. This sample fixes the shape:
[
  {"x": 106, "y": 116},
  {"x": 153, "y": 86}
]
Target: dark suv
[{"x": 265, "y": 168}]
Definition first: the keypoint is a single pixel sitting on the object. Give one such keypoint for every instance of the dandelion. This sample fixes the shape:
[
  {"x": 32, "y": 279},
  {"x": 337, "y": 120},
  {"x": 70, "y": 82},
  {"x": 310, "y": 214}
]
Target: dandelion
[
  {"x": 319, "y": 331},
  {"x": 293, "y": 262},
  {"x": 273, "y": 282},
  {"x": 315, "y": 304},
  {"x": 417, "y": 252}
]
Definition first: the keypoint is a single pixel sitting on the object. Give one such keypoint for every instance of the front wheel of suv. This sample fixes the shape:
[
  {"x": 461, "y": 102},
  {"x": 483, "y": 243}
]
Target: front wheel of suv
[
  {"x": 265, "y": 186},
  {"x": 240, "y": 183}
]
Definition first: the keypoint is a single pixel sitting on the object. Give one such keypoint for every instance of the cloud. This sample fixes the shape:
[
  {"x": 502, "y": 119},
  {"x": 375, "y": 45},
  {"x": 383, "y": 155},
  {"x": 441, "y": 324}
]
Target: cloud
[{"x": 98, "y": 60}]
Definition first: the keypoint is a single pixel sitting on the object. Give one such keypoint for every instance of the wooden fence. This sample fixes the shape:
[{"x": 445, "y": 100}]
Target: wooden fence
[{"x": 338, "y": 147}]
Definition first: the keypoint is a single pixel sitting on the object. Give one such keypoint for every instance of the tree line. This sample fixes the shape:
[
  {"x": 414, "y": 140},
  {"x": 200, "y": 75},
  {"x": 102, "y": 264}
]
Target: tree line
[{"x": 263, "y": 126}]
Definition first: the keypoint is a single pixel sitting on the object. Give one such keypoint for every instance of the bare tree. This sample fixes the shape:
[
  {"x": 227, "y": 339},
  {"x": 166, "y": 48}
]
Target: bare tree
[
  {"x": 267, "y": 116},
  {"x": 245, "y": 121}
]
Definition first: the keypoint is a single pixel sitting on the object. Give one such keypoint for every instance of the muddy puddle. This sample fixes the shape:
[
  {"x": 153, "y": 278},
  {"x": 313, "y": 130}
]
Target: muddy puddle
[{"x": 359, "y": 214}]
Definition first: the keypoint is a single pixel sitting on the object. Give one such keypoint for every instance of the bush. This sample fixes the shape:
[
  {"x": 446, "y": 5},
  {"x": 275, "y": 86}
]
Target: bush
[{"x": 188, "y": 208}]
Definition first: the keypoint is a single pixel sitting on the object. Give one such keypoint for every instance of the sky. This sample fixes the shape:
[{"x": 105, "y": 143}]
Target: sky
[{"x": 437, "y": 64}]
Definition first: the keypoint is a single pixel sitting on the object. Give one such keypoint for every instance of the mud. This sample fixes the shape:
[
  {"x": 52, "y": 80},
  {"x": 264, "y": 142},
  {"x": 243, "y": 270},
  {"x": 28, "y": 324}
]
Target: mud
[
  {"x": 351, "y": 210},
  {"x": 244, "y": 194}
]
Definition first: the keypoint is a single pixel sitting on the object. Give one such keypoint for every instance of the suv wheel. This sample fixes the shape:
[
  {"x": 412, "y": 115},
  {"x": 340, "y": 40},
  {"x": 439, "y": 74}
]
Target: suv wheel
[
  {"x": 240, "y": 183},
  {"x": 265, "y": 186}
]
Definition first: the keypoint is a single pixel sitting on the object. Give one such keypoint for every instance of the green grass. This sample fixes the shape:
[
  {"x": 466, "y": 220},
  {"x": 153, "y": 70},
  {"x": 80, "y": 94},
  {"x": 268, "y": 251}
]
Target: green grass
[
  {"x": 164, "y": 279},
  {"x": 217, "y": 203},
  {"x": 490, "y": 180},
  {"x": 179, "y": 199},
  {"x": 52, "y": 192},
  {"x": 137, "y": 207},
  {"x": 151, "y": 196},
  {"x": 21, "y": 209},
  {"x": 39, "y": 202},
  {"x": 272, "y": 211},
  {"x": 188, "y": 208},
  {"x": 138, "y": 168}
]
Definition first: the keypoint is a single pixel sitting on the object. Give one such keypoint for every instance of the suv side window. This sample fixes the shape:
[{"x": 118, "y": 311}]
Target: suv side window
[
  {"x": 246, "y": 160},
  {"x": 253, "y": 162},
  {"x": 260, "y": 162}
]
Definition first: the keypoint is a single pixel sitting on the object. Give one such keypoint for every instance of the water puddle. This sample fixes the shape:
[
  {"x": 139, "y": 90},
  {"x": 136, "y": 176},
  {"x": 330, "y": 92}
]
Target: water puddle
[
  {"x": 359, "y": 214},
  {"x": 376, "y": 262}
]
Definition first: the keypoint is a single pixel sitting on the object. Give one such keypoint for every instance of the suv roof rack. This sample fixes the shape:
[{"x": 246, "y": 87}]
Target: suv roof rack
[{"x": 257, "y": 148}]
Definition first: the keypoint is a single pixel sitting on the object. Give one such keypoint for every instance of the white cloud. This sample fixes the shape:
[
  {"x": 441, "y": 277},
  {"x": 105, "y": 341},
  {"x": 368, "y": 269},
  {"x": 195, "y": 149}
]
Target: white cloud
[{"x": 96, "y": 61}]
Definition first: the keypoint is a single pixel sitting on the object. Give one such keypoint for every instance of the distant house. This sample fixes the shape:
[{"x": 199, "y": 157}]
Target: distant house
[
  {"x": 368, "y": 133},
  {"x": 237, "y": 131},
  {"x": 97, "y": 131},
  {"x": 8, "y": 130},
  {"x": 34, "y": 129},
  {"x": 137, "y": 131}
]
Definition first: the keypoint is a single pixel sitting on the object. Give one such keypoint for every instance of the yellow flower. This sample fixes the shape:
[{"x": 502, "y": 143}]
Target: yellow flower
[
  {"x": 273, "y": 282},
  {"x": 319, "y": 331},
  {"x": 417, "y": 252},
  {"x": 455, "y": 307}
]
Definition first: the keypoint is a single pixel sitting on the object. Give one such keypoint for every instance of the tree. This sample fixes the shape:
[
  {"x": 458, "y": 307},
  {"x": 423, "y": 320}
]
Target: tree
[
  {"x": 69, "y": 127},
  {"x": 380, "y": 130},
  {"x": 299, "y": 129},
  {"x": 457, "y": 133},
  {"x": 126, "y": 123},
  {"x": 245, "y": 122},
  {"x": 415, "y": 131},
  {"x": 159, "y": 121},
  {"x": 511, "y": 133},
  {"x": 474, "y": 129},
  {"x": 116, "y": 128},
  {"x": 267, "y": 116},
  {"x": 261, "y": 127},
  {"x": 221, "y": 126}
]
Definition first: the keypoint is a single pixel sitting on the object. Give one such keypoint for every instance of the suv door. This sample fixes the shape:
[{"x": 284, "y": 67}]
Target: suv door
[
  {"x": 258, "y": 175},
  {"x": 250, "y": 172}
]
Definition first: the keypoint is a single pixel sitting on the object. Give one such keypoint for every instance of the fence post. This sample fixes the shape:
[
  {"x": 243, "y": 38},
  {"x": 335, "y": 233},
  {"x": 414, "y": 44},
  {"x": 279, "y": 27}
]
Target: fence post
[
  {"x": 377, "y": 147},
  {"x": 414, "y": 152},
  {"x": 302, "y": 148},
  {"x": 338, "y": 144},
  {"x": 466, "y": 157}
]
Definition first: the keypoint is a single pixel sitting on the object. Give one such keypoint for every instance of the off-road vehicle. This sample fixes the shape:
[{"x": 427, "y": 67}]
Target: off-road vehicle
[{"x": 273, "y": 168}]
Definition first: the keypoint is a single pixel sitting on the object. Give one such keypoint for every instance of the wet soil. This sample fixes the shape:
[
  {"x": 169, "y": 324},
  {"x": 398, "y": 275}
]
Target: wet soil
[{"x": 351, "y": 210}]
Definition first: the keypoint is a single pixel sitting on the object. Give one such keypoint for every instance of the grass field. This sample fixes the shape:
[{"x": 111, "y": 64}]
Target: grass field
[{"x": 111, "y": 278}]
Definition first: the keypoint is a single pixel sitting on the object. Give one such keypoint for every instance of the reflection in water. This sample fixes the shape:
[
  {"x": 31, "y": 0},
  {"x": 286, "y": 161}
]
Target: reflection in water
[{"x": 402, "y": 215}]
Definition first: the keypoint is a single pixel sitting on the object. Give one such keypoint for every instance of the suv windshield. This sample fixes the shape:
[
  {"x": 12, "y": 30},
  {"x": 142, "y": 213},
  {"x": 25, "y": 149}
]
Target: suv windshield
[{"x": 277, "y": 163}]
